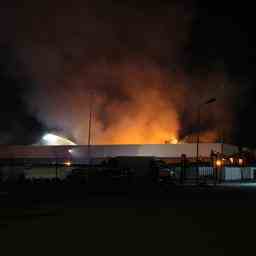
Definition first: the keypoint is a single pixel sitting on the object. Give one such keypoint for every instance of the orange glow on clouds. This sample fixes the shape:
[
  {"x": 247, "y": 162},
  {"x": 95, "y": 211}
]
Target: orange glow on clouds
[{"x": 145, "y": 116}]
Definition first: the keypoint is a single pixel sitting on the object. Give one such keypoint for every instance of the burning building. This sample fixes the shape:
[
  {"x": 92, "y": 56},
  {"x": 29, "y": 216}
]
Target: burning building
[{"x": 80, "y": 154}]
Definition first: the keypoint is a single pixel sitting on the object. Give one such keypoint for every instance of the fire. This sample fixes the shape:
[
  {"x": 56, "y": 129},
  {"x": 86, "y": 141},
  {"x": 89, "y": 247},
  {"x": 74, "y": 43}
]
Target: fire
[
  {"x": 143, "y": 114},
  {"x": 144, "y": 91},
  {"x": 148, "y": 121},
  {"x": 132, "y": 103},
  {"x": 174, "y": 141}
]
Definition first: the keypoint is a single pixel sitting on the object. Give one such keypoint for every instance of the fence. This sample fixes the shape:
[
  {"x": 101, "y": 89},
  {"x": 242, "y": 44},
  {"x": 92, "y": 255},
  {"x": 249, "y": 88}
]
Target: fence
[{"x": 226, "y": 173}]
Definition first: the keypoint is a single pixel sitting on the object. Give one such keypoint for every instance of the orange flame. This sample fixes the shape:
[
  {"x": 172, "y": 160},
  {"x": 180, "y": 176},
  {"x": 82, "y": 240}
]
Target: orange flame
[{"x": 145, "y": 116}]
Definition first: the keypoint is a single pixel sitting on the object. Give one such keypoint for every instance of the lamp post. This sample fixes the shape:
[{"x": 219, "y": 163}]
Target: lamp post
[
  {"x": 70, "y": 151},
  {"x": 211, "y": 100}
]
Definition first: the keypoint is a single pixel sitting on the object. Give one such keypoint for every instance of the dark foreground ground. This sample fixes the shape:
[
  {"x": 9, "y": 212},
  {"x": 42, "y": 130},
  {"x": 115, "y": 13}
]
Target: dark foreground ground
[{"x": 167, "y": 220}]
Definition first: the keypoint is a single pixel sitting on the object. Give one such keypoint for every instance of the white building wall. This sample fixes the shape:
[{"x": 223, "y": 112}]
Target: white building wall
[{"x": 102, "y": 151}]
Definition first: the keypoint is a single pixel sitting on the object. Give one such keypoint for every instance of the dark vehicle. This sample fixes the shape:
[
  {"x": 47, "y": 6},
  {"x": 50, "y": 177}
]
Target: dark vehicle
[
  {"x": 139, "y": 167},
  {"x": 126, "y": 168},
  {"x": 165, "y": 172}
]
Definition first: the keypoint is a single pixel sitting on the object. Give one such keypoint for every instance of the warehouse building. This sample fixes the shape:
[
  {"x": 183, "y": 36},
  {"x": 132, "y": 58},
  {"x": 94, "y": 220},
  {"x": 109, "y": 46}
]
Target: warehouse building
[
  {"x": 81, "y": 153},
  {"x": 66, "y": 156}
]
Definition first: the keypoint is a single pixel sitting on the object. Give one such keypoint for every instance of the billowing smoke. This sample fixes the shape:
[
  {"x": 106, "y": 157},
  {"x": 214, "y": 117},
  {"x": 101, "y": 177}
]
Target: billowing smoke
[
  {"x": 126, "y": 62},
  {"x": 130, "y": 102}
]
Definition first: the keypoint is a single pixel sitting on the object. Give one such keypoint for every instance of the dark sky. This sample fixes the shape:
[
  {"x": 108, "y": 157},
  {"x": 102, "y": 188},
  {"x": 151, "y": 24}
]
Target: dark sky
[
  {"x": 220, "y": 36},
  {"x": 225, "y": 33},
  {"x": 17, "y": 124}
]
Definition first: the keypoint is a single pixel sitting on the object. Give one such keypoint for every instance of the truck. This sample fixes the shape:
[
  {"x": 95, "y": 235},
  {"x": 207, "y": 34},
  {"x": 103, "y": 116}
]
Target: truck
[{"x": 136, "y": 168}]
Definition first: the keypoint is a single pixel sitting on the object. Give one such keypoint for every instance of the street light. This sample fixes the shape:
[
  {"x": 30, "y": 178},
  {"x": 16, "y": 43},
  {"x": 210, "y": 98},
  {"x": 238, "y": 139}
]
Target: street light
[
  {"x": 71, "y": 151},
  {"x": 218, "y": 163},
  {"x": 211, "y": 100},
  {"x": 240, "y": 161},
  {"x": 68, "y": 163},
  {"x": 52, "y": 139}
]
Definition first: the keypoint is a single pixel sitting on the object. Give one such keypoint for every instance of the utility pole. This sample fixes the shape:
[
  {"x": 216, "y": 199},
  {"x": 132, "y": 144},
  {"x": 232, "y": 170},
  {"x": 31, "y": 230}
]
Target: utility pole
[
  {"x": 197, "y": 143},
  {"x": 198, "y": 135},
  {"x": 90, "y": 126}
]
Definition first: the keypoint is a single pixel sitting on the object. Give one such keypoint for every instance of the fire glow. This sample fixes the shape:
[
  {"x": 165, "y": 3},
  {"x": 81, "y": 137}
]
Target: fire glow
[
  {"x": 146, "y": 91},
  {"x": 138, "y": 110},
  {"x": 131, "y": 104}
]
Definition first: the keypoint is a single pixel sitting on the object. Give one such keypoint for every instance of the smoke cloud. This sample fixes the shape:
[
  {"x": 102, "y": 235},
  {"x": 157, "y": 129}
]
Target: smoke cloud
[{"x": 128, "y": 61}]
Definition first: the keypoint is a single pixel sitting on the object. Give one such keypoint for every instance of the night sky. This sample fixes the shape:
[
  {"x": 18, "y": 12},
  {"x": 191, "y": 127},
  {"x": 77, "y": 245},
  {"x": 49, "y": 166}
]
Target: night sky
[{"x": 218, "y": 37}]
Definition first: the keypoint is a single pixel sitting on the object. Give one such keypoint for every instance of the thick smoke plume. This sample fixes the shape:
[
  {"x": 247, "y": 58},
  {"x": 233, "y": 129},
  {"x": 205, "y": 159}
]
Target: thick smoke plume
[
  {"x": 131, "y": 103},
  {"x": 128, "y": 62}
]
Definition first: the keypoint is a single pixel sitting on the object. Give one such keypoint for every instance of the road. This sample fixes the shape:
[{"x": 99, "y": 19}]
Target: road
[{"x": 181, "y": 221}]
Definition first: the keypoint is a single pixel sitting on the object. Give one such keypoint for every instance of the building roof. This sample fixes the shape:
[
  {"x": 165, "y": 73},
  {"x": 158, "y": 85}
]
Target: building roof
[{"x": 103, "y": 151}]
